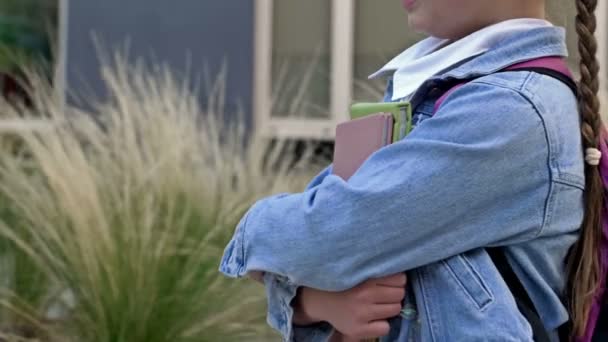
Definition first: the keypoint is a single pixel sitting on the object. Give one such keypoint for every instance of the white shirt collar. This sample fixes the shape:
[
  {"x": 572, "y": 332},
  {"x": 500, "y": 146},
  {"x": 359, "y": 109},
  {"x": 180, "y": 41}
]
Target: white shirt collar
[{"x": 432, "y": 55}]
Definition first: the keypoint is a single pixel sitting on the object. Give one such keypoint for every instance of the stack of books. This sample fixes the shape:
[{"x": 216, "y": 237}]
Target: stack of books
[{"x": 372, "y": 127}]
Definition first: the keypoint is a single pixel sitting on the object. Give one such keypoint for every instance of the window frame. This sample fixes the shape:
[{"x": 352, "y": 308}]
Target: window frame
[
  {"x": 60, "y": 76},
  {"x": 341, "y": 48}
]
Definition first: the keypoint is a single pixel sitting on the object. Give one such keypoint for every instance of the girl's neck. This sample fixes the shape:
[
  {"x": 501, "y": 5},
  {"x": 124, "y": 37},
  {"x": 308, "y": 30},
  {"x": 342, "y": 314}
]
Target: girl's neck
[
  {"x": 505, "y": 10},
  {"x": 520, "y": 9}
]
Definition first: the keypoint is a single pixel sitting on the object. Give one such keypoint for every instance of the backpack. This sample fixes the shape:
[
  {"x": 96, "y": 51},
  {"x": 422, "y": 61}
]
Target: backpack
[{"x": 597, "y": 329}]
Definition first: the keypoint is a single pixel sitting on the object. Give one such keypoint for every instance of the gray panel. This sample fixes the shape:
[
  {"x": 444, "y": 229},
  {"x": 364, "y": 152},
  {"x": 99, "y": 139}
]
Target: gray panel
[{"x": 187, "y": 34}]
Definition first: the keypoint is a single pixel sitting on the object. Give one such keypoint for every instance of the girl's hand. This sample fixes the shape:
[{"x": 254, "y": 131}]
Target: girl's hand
[
  {"x": 257, "y": 276},
  {"x": 359, "y": 313}
]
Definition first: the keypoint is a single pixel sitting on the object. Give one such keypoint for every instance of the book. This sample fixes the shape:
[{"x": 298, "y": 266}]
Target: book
[
  {"x": 372, "y": 126},
  {"x": 358, "y": 139},
  {"x": 401, "y": 111}
]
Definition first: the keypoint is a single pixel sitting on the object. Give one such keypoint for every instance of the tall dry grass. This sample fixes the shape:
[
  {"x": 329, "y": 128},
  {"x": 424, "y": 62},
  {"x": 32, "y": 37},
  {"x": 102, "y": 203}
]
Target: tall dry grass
[{"x": 124, "y": 211}]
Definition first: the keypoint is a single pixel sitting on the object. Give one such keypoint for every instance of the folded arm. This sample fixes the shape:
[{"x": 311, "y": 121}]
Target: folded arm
[{"x": 449, "y": 187}]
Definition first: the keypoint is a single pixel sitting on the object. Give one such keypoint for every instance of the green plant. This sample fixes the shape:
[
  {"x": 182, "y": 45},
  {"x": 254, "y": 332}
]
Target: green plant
[
  {"x": 25, "y": 286},
  {"x": 24, "y": 276},
  {"x": 128, "y": 210}
]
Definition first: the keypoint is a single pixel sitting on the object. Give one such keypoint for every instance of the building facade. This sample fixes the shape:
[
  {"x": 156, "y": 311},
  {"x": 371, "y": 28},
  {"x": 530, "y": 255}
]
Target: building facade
[{"x": 294, "y": 66}]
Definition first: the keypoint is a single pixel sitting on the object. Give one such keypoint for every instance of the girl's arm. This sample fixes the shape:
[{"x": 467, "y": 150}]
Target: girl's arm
[{"x": 474, "y": 175}]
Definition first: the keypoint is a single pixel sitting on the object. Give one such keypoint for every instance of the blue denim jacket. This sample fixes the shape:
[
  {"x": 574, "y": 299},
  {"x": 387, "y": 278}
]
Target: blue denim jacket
[{"x": 499, "y": 164}]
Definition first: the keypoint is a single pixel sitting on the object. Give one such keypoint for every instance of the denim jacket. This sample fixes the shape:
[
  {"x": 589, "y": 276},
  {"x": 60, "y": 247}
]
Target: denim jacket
[{"x": 499, "y": 164}]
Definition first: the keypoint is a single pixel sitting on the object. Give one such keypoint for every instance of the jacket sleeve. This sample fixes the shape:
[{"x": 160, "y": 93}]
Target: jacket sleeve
[
  {"x": 318, "y": 179},
  {"x": 474, "y": 175},
  {"x": 280, "y": 292}
]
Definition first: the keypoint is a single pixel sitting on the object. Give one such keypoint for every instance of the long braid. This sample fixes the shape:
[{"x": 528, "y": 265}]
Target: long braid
[{"x": 584, "y": 266}]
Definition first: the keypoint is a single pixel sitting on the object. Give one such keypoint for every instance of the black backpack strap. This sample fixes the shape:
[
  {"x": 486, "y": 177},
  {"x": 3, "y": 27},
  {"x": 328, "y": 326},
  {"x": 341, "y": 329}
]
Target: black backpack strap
[
  {"x": 524, "y": 303},
  {"x": 564, "y": 331}
]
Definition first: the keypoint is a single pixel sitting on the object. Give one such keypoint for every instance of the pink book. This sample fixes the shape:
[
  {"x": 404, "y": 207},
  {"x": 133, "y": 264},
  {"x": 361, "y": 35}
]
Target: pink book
[{"x": 358, "y": 139}]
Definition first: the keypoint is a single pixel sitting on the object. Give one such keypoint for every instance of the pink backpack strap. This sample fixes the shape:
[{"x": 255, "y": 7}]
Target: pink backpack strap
[
  {"x": 556, "y": 64},
  {"x": 439, "y": 102}
]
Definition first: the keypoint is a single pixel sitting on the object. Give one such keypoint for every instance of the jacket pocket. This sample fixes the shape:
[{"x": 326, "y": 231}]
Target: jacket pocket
[{"x": 469, "y": 280}]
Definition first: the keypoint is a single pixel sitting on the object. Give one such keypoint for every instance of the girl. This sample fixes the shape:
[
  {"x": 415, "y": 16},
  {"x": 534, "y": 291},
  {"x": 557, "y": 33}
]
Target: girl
[{"x": 499, "y": 163}]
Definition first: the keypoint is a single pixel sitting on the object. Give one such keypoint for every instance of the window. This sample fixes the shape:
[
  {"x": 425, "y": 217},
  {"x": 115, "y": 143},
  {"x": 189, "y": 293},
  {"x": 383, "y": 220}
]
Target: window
[
  {"x": 302, "y": 76},
  {"x": 313, "y": 57},
  {"x": 301, "y": 58},
  {"x": 380, "y": 33}
]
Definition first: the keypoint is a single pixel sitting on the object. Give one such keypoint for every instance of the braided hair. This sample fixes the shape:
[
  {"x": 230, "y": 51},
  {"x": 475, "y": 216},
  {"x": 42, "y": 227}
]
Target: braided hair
[{"x": 584, "y": 261}]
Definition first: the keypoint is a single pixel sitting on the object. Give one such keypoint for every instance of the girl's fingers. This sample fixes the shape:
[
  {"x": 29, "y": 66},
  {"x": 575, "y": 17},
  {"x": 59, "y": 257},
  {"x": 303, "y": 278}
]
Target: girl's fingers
[
  {"x": 384, "y": 311},
  {"x": 388, "y": 295},
  {"x": 396, "y": 280},
  {"x": 257, "y": 276},
  {"x": 374, "y": 330}
]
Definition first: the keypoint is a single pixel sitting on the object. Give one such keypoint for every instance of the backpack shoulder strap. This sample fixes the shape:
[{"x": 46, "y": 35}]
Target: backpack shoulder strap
[{"x": 555, "y": 67}]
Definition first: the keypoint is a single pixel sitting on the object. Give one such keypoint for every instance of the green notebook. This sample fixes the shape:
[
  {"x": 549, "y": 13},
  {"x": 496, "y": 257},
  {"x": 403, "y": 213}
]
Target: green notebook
[{"x": 401, "y": 111}]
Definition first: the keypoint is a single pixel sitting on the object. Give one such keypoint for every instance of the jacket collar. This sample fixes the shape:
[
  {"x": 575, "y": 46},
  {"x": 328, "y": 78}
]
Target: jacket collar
[{"x": 537, "y": 43}]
